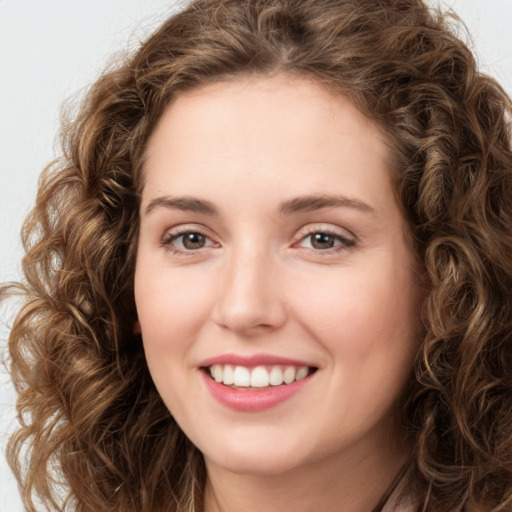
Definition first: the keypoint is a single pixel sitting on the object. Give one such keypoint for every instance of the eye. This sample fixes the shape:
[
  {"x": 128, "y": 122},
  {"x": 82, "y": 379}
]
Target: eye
[
  {"x": 187, "y": 241},
  {"x": 191, "y": 240},
  {"x": 325, "y": 241},
  {"x": 322, "y": 241}
]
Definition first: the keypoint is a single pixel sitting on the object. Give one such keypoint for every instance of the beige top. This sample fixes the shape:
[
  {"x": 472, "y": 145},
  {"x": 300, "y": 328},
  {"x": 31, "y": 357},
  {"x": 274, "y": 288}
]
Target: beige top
[{"x": 401, "y": 500}]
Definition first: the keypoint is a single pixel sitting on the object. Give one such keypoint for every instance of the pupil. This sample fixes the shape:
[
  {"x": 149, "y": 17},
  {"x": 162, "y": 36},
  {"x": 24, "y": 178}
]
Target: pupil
[
  {"x": 322, "y": 241},
  {"x": 193, "y": 240}
]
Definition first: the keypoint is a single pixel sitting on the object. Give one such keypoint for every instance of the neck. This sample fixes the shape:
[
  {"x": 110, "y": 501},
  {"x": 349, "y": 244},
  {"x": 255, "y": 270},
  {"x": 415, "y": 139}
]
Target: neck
[{"x": 354, "y": 483}]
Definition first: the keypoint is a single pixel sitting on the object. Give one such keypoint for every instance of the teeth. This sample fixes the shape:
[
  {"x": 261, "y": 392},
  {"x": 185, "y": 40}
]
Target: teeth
[
  {"x": 301, "y": 373},
  {"x": 289, "y": 375},
  {"x": 229, "y": 375},
  {"x": 276, "y": 376},
  {"x": 257, "y": 377},
  {"x": 217, "y": 372},
  {"x": 242, "y": 376}
]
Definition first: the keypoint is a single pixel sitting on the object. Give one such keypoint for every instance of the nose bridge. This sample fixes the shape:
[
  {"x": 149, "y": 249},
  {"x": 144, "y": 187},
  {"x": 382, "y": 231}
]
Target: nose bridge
[{"x": 250, "y": 300}]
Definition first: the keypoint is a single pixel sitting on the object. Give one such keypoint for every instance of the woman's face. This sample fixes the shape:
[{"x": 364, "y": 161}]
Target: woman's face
[{"x": 272, "y": 256}]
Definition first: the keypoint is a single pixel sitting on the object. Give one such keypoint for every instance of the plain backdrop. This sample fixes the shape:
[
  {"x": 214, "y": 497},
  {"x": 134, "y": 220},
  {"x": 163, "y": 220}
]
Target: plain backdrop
[{"x": 51, "y": 50}]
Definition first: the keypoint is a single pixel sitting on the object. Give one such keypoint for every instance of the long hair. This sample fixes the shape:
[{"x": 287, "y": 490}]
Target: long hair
[{"x": 94, "y": 434}]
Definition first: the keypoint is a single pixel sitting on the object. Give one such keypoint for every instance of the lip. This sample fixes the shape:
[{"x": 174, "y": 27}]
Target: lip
[
  {"x": 249, "y": 400},
  {"x": 253, "y": 401},
  {"x": 254, "y": 360}
]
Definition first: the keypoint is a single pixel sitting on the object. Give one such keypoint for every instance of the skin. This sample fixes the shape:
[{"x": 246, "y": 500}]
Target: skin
[{"x": 259, "y": 285}]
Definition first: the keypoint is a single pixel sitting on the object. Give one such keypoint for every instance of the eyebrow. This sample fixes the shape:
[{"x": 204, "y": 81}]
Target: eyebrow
[
  {"x": 296, "y": 205},
  {"x": 317, "y": 202},
  {"x": 187, "y": 204}
]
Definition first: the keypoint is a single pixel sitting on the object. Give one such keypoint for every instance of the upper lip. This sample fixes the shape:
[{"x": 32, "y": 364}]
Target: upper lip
[{"x": 253, "y": 360}]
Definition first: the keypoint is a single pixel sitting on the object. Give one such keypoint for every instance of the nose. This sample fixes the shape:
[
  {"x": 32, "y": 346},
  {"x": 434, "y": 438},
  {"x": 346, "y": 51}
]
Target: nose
[{"x": 251, "y": 299}]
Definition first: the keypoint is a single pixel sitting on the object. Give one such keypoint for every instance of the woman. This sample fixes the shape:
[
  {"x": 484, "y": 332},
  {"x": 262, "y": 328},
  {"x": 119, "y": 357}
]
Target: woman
[{"x": 271, "y": 270}]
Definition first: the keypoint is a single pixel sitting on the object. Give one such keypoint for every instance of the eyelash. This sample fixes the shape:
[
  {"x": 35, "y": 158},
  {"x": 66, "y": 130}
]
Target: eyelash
[
  {"x": 169, "y": 239},
  {"x": 344, "y": 242}
]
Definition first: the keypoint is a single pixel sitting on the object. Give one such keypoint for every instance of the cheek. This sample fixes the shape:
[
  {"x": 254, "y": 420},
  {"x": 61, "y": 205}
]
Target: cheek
[
  {"x": 364, "y": 315},
  {"x": 170, "y": 304},
  {"x": 171, "y": 309}
]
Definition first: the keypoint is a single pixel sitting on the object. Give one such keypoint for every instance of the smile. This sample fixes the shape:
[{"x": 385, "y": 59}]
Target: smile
[
  {"x": 255, "y": 383},
  {"x": 258, "y": 377}
]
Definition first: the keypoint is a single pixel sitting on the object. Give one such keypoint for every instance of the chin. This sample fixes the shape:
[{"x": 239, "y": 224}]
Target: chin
[
  {"x": 261, "y": 459},
  {"x": 257, "y": 466}
]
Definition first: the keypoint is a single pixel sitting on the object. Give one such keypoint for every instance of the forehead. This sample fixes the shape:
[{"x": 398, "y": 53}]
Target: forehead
[
  {"x": 246, "y": 100},
  {"x": 274, "y": 132}
]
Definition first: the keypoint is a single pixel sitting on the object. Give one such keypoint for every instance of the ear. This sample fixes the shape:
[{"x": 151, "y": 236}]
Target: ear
[{"x": 136, "y": 327}]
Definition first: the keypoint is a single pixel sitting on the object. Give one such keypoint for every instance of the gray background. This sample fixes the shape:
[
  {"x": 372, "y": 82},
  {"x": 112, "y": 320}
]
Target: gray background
[{"x": 51, "y": 49}]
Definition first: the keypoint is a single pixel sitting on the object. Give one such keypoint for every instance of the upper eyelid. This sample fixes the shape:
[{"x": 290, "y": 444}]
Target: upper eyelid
[
  {"x": 305, "y": 231},
  {"x": 174, "y": 236},
  {"x": 187, "y": 228},
  {"x": 325, "y": 228},
  {"x": 346, "y": 243},
  {"x": 175, "y": 232}
]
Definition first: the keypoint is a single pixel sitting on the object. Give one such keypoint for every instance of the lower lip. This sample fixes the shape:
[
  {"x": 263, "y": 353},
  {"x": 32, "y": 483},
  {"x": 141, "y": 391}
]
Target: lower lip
[{"x": 253, "y": 400}]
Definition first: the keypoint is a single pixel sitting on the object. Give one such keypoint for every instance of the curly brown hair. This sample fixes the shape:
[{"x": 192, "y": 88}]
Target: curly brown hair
[{"x": 94, "y": 434}]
